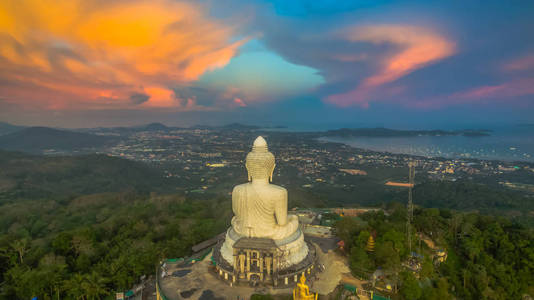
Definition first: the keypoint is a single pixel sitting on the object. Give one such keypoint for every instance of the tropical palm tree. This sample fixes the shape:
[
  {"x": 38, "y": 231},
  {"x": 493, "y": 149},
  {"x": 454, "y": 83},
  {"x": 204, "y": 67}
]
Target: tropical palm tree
[
  {"x": 75, "y": 286},
  {"x": 21, "y": 247},
  {"x": 95, "y": 285}
]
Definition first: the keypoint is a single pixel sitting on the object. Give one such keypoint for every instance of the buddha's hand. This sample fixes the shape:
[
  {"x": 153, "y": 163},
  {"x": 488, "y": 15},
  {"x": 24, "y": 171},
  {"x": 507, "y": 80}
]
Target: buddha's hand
[
  {"x": 234, "y": 222},
  {"x": 292, "y": 222},
  {"x": 293, "y": 219}
]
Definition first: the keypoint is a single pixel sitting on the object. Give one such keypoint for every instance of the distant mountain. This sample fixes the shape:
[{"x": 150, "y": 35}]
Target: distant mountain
[
  {"x": 239, "y": 126},
  {"x": 386, "y": 132},
  {"x": 231, "y": 126},
  {"x": 38, "y": 139},
  {"x": 36, "y": 176},
  {"x": 155, "y": 127},
  {"x": 202, "y": 127},
  {"x": 6, "y": 128}
]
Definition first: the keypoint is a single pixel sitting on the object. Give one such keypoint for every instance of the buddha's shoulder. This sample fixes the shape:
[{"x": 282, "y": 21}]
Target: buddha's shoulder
[
  {"x": 277, "y": 188},
  {"x": 271, "y": 187},
  {"x": 241, "y": 187}
]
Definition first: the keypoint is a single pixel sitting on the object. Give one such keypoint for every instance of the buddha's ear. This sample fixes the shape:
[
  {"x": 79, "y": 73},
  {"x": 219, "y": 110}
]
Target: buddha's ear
[
  {"x": 248, "y": 173},
  {"x": 271, "y": 175}
]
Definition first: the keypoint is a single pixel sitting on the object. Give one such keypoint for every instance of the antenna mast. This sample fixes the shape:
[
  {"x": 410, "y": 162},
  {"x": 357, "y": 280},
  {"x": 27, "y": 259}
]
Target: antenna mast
[{"x": 411, "y": 175}]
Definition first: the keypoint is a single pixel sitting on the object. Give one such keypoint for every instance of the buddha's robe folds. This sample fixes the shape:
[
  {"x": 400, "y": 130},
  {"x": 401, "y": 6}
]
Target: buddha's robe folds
[{"x": 261, "y": 211}]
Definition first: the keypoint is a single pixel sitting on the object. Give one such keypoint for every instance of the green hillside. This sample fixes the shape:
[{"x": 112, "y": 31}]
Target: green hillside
[
  {"x": 6, "y": 128},
  {"x": 89, "y": 226},
  {"x": 38, "y": 139},
  {"x": 29, "y": 176}
]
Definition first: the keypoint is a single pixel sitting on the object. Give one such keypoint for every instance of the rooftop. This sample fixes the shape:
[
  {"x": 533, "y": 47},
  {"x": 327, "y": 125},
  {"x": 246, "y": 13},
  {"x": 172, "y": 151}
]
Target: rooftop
[{"x": 255, "y": 243}]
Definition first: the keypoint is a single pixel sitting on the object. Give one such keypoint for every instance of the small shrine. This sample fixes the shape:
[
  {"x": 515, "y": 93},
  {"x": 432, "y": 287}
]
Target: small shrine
[
  {"x": 256, "y": 259},
  {"x": 302, "y": 291}
]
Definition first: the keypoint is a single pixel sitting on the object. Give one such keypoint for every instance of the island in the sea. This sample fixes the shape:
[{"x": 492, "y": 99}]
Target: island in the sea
[{"x": 386, "y": 132}]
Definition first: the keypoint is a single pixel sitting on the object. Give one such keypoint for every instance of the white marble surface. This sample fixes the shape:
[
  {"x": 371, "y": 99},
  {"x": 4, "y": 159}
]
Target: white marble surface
[{"x": 260, "y": 210}]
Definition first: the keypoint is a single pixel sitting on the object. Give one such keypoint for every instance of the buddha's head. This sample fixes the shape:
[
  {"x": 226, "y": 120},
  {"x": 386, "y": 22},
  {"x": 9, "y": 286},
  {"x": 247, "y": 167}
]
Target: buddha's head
[
  {"x": 302, "y": 279},
  {"x": 260, "y": 162}
]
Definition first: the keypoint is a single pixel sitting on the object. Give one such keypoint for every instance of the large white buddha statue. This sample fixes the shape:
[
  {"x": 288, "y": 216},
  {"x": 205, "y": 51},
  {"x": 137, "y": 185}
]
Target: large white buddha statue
[{"x": 260, "y": 210}]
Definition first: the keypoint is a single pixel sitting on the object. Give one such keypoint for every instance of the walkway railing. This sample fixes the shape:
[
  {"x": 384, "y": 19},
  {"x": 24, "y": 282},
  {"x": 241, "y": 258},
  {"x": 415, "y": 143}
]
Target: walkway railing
[
  {"x": 358, "y": 291},
  {"x": 159, "y": 293}
]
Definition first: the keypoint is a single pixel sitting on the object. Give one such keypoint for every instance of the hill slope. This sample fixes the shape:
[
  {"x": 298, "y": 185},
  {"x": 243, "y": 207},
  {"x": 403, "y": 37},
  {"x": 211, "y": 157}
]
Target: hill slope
[
  {"x": 6, "y": 128},
  {"x": 28, "y": 176},
  {"x": 37, "y": 139}
]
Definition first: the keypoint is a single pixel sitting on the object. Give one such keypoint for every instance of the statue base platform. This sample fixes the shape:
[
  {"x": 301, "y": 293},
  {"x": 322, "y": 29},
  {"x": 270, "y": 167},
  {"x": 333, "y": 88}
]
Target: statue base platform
[
  {"x": 293, "y": 248},
  {"x": 277, "y": 263}
]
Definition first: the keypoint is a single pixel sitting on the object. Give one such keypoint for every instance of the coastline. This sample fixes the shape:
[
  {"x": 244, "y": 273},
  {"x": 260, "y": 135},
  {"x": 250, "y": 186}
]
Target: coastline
[{"x": 402, "y": 146}]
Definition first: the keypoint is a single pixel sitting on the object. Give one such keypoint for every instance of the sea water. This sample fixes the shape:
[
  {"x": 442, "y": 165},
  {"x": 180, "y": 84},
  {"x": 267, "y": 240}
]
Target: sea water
[{"x": 508, "y": 144}]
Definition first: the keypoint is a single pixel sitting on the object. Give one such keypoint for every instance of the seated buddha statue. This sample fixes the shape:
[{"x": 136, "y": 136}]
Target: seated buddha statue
[
  {"x": 260, "y": 208},
  {"x": 302, "y": 291}
]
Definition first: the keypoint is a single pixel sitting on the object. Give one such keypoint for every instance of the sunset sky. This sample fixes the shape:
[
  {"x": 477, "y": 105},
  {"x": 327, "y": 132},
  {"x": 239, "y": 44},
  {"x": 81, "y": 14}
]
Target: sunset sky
[{"x": 87, "y": 63}]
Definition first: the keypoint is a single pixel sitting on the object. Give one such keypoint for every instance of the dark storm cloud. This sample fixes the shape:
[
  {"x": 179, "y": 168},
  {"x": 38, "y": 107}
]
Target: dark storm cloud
[{"x": 139, "y": 98}]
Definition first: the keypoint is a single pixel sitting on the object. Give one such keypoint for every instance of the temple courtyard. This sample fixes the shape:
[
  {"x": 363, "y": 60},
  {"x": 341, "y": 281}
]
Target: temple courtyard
[{"x": 186, "y": 280}]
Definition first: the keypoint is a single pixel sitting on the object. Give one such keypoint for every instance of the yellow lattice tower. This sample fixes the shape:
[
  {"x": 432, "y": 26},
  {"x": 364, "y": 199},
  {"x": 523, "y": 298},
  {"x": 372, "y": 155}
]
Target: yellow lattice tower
[{"x": 370, "y": 244}]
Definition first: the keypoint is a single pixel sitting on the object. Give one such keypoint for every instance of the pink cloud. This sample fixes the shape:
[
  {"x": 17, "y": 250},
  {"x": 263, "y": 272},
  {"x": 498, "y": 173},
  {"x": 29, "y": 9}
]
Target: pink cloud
[
  {"x": 509, "y": 89},
  {"x": 417, "y": 48},
  {"x": 520, "y": 64},
  {"x": 239, "y": 102},
  {"x": 504, "y": 91}
]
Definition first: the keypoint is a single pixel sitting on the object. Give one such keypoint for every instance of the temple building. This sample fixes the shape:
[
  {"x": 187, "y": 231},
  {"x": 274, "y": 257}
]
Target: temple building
[
  {"x": 264, "y": 244},
  {"x": 256, "y": 259}
]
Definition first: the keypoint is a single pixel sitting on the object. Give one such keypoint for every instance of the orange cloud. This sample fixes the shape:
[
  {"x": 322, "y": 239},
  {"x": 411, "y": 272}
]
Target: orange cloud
[
  {"x": 160, "y": 97},
  {"x": 416, "y": 48},
  {"x": 96, "y": 54}
]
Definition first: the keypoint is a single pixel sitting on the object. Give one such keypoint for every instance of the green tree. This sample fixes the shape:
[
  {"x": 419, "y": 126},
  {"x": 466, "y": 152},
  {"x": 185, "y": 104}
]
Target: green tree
[
  {"x": 346, "y": 229},
  {"x": 21, "y": 247},
  {"x": 94, "y": 285},
  {"x": 410, "y": 288},
  {"x": 397, "y": 238},
  {"x": 442, "y": 289},
  {"x": 362, "y": 239},
  {"x": 75, "y": 287},
  {"x": 427, "y": 269},
  {"x": 62, "y": 243},
  {"x": 386, "y": 256},
  {"x": 359, "y": 261}
]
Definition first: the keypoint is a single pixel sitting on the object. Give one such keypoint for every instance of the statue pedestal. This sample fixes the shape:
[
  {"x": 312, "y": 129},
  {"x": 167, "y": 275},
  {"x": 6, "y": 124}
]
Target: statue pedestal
[
  {"x": 292, "y": 249},
  {"x": 275, "y": 263}
]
